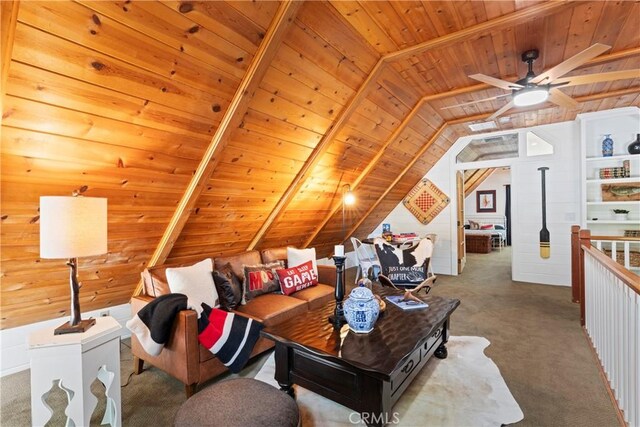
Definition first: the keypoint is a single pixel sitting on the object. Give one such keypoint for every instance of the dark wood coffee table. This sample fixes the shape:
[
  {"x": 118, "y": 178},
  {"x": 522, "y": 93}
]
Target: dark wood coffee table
[{"x": 365, "y": 372}]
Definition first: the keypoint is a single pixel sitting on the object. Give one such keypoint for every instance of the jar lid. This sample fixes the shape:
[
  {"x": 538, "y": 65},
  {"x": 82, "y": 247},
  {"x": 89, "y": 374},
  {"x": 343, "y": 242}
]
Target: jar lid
[{"x": 361, "y": 293}]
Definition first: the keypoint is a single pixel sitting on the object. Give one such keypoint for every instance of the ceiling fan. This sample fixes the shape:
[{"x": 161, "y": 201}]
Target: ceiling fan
[{"x": 534, "y": 89}]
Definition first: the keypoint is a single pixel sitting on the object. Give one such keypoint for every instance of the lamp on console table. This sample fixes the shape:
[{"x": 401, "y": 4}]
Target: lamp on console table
[{"x": 72, "y": 227}]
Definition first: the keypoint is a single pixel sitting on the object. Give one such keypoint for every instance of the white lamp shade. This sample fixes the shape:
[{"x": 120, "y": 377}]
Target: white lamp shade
[{"x": 72, "y": 227}]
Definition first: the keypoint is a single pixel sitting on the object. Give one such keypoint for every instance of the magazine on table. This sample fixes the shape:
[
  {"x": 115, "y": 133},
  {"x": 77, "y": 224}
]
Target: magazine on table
[{"x": 406, "y": 305}]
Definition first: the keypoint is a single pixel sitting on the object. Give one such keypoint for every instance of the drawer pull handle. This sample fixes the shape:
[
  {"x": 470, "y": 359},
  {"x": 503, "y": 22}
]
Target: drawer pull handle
[{"x": 408, "y": 367}]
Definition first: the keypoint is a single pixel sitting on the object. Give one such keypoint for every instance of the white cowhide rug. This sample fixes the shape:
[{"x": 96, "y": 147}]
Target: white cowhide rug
[{"x": 465, "y": 389}]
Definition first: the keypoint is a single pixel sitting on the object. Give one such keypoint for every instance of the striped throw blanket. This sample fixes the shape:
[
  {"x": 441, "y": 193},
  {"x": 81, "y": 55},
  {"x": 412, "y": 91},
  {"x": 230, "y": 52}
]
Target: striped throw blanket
[{"x": 229, "y": 336}]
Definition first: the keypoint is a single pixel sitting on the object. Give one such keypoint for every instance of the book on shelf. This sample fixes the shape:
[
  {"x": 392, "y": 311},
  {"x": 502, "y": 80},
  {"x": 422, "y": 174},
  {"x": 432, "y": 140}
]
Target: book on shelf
[{"x": 405, "y": 305}]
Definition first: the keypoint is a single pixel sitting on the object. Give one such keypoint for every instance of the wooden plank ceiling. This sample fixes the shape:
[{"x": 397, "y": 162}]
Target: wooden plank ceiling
[{"x": 124, "y": 99}]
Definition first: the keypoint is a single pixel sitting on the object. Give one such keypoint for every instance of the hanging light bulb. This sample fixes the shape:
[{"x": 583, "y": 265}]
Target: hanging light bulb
[{"x": 349, "y": 198}]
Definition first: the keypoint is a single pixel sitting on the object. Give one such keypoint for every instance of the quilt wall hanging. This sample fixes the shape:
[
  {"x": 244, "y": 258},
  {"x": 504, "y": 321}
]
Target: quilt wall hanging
[{"x": 425, "y": 201}]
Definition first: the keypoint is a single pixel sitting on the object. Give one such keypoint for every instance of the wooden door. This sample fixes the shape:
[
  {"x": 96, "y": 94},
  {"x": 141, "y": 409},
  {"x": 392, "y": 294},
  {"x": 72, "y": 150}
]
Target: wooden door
[{"x": 462, "y": 252}]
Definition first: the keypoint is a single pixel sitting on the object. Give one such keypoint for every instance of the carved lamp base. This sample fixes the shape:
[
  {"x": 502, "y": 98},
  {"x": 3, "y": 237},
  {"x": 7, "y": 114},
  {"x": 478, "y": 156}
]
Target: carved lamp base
[{"x": 67, "y": 328}]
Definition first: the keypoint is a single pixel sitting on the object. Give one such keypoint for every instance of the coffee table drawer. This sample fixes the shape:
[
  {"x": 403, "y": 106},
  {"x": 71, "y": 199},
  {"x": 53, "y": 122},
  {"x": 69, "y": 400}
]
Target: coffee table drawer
[
  {"x": 324, "y": 373},
  {"x": 434, "y": 339},
  {"x": 400, "y": 376}
]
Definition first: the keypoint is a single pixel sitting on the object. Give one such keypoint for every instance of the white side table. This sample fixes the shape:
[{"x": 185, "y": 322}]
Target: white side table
[{"x": 76, "y": 360}]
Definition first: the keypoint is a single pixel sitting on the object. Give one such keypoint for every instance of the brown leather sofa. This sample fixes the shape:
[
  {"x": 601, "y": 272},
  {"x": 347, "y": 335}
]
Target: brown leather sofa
[{"x": 183, "y": 357}]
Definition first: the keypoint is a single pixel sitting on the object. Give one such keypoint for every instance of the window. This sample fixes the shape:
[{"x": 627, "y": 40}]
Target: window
[
  {"x": 490, "y": 148},
  {"x": 537, "y": 146}
]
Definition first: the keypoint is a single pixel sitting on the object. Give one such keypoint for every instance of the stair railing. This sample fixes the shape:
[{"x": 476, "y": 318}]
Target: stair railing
[{"x": 609, "y": 296}]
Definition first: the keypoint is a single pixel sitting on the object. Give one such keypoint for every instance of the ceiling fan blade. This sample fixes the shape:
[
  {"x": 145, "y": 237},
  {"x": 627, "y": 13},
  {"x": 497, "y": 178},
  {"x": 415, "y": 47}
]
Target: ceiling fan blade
[
  {"x": 599, "y": 77},
  {"x": 475, "y": 102},
  {"x": 570, "y": 64},
  {"x": 501, "y": 111},
  {"x": 502, "y": 84},
  {"x": 561, "y": 99}
]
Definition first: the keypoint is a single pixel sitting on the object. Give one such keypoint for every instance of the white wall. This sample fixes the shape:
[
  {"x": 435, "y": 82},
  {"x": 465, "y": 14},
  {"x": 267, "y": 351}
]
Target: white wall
[
  {"x": 403, "y": 221},
  {"x": 563, "y": 204},
  {"x": 14, "y": 356},
  {"x": 496, "y": 181},
  {"x": 563, "y": 207}
]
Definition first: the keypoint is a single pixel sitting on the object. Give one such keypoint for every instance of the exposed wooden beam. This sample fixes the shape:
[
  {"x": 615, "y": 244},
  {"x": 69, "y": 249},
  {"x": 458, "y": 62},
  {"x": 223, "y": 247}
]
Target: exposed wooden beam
[
  {"x": 315, "y": 157},
  {"x": 477, "y": 178},
  {"x": 404, "y": 171},
  {"x": 602, "y": 95},
  {"x": 283, "y": 19},
  {"x": 523, "y": 15},
  {"x": 365, "y": 172},
  {"x": 623, "y": 54},
  {"x": 542, "y": 9},
  {"x": 8, "y": 20},
  {"x": 579, "y": 99}
]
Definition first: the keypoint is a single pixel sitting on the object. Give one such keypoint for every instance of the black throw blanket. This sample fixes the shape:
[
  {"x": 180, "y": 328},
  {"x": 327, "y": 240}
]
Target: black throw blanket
[{"x": 229, "y": 336}]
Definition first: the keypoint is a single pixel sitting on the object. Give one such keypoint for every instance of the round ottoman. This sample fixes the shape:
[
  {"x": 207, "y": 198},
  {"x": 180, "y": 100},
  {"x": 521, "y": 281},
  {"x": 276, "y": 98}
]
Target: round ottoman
[{"x": 239, "y": 402}]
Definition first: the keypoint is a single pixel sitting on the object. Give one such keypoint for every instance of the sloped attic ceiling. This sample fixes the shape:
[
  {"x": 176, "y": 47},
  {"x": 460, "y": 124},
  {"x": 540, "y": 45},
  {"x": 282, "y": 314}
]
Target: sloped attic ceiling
[{"x": 284, "y": 102}]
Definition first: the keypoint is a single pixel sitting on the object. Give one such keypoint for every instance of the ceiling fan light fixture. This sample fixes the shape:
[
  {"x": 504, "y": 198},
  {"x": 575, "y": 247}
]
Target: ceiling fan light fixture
[{"x": 530, "y": 96}]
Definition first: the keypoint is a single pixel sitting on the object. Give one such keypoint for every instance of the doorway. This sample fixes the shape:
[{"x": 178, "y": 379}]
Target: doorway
[{"x": 484, "y": 214}]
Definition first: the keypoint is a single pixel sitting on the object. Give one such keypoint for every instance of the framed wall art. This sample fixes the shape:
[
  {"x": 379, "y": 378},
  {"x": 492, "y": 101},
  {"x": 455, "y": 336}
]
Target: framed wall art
[
  {"x": 425, "y": 201},
  {"x": 486, "y": 201}
]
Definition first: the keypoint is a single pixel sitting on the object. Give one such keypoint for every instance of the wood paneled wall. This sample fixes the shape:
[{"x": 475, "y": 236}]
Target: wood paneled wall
[{"x": 121, "y": 99}]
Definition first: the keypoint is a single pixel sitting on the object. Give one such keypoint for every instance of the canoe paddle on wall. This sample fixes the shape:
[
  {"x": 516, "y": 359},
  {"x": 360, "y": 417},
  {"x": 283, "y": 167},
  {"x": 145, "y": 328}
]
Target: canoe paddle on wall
[{"x": 545, "y": 248}]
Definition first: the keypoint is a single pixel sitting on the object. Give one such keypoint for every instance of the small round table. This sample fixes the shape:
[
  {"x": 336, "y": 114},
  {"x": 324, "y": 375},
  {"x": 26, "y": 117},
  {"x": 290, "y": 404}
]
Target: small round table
[{"x": 236, "y": 402}]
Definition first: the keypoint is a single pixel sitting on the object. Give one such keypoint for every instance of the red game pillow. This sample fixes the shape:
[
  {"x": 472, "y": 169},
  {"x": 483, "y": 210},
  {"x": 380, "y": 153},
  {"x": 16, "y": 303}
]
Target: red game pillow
[
  {"x": 486, "y": 227},
  {"x": 297, "y": 278}
]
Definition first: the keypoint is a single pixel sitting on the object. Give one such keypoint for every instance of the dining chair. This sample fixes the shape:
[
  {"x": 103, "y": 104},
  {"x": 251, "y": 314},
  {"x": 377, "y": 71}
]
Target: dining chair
[
  {"x": 397, "y": 261},
  {"x": 366, "y": 258}
]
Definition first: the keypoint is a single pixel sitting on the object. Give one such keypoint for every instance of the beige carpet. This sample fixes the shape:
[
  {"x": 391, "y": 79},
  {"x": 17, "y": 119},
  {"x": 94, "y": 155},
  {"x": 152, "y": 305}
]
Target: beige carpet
[
  {"x": 465, "y": 389},
  {"x": 534, "y": 330}
]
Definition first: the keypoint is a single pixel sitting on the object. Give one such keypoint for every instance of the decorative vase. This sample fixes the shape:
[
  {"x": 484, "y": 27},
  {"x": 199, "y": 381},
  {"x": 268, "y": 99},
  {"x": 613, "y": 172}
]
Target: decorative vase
[
  {"x": 621, "y": 216},
  {"x": 634, "y": 147},
  {"x": 607, "y": 146},
  {"x": 361, "y": 310}
]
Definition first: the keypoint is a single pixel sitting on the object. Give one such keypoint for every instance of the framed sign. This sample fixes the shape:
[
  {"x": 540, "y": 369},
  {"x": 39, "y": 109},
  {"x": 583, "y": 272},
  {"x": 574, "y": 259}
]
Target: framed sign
[{"x": 486, "y": 201}]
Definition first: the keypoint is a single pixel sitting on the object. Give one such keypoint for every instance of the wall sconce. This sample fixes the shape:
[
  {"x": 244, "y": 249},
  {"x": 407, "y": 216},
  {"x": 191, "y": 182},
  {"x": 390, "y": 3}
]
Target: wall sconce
[
  {"x": 72, "y": 227},
  {"x": 348, "y": 199}
]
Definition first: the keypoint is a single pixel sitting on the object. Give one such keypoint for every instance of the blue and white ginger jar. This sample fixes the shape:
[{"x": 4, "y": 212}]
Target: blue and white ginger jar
[
  {"x": 607, "y": 146},
  {"x": 361, "y": 310}
]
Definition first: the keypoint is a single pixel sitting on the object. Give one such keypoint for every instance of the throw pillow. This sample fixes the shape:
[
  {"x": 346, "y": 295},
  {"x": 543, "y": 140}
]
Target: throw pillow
[
  {"x": 498, "y": 227},
  {"x": 297, "y": 257},
  {"x": 295, "y": 279},
  {"x": 228, "y": 286},
  {"x": 474, "y": 225},
  {"x": 486, "y": 227},
  {"x": 260, "y": 279},
  {"x": 195, "y": 282}
]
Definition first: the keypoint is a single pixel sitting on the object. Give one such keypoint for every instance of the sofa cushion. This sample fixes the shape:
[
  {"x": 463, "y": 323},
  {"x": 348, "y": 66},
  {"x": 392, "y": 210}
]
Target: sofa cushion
[
  {"x": 260, "y": 279},
  {"x": 275, "y": 254},
  {"x": 316, "y": 296},
  {"x": 228, "y": 286},
  {"x": 194, "y": 281},
  {"x": 238, "y": 261},
  {"x": 300, "y": 256},
  {"x": 155, "y": 279},
  {"x": 297, "y": 278},
  {"x": 272, "y": 309}
]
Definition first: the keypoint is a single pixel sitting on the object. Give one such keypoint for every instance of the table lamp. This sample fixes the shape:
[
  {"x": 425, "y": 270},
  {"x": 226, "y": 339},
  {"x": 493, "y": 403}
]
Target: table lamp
[{"x": 72, "y": 227}]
